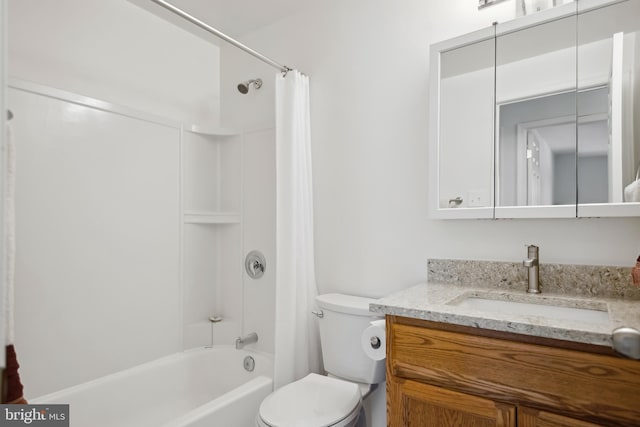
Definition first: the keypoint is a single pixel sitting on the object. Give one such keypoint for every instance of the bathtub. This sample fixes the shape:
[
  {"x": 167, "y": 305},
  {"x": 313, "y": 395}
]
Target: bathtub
[{"x": 201, "y": 387}]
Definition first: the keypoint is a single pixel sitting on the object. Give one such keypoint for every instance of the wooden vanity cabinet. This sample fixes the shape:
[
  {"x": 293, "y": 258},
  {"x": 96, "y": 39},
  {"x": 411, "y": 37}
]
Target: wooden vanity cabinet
[
  {"x": 424, "y": 405},
  {"x": 528, "y": 417},
  {"x": 441, "y": 375}
]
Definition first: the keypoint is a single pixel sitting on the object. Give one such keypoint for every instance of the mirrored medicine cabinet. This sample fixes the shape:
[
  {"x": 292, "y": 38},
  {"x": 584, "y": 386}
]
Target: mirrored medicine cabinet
[{"x": 539, "y": 117}]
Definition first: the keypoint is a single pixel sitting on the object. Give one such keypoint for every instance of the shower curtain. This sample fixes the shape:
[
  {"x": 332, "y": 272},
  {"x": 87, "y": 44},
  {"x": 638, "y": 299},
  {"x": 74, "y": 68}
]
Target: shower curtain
[{"x": 297, "y": 344}]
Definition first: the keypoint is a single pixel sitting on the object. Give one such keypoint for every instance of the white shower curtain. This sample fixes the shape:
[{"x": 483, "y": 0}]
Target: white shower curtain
[{"x": 297, "y": 344}]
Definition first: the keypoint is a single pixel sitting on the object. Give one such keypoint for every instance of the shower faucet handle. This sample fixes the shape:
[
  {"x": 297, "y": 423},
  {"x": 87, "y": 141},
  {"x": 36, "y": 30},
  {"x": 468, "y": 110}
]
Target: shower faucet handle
[
  {"x": 258, "y": 266},
  {"x": 255, "y": 264}
]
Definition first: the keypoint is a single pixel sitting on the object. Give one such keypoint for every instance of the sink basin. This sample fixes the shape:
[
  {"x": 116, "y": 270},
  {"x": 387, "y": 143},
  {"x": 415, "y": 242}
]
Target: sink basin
[{"x": 546, "y": 308}]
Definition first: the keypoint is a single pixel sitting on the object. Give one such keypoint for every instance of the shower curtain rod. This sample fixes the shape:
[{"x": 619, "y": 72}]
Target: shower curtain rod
[{"x": 223, "y": 36}]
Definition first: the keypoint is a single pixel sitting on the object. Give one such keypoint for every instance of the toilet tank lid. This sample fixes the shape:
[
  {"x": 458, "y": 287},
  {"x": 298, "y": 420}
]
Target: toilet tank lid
[{"x": 349, "y": 304}]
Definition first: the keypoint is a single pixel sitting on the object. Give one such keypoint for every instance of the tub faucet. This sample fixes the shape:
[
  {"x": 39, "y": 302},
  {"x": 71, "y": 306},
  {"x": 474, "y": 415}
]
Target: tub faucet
[
  {"x": 247, "y": 339},
  {"x": 533, "y": 264}
]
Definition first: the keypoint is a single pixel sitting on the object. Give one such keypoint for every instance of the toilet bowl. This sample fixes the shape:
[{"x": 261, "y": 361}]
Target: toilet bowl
[
  {"x": 313, "y": 401},
  {"x": 334, "y": 400}
]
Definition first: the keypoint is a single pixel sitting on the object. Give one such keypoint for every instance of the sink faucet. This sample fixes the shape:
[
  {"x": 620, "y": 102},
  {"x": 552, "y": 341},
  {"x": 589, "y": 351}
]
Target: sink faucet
[
  {"x": 247, "y": 339},
  {"x": 533, "y": 264}
]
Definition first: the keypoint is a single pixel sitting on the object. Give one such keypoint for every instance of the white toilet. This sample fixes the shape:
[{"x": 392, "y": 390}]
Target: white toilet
[{"x": 336, "y": 399}]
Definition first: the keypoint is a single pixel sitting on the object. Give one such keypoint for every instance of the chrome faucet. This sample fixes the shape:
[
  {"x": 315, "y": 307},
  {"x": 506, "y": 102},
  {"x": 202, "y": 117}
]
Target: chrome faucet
[
  {"x": 247, "y": 339},
  {"x": 533, "y": 264}
]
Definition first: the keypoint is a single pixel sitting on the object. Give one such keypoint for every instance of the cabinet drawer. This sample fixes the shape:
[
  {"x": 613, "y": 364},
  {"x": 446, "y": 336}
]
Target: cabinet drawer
[{"x": 579, "y": 384}]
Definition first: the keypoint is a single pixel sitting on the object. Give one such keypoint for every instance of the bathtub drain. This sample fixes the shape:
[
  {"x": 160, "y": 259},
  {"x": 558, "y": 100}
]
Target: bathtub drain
[{"x": 249, "y": 364}]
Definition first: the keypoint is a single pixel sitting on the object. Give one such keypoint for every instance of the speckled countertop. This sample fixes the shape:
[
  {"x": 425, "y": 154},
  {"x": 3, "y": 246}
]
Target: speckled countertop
[
  {"x": 604, "y": 288},
  {"x": 437, "y": 301}
]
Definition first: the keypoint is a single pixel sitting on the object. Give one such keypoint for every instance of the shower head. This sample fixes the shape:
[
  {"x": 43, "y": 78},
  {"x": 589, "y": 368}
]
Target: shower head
[{"x": 243, "y": 87}]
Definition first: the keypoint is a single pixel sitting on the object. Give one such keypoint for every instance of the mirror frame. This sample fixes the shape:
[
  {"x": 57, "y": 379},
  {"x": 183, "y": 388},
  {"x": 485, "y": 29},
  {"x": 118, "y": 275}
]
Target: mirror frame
[
  {"x": 577, "y": 210},
  {"x": 435, "y": 62}
]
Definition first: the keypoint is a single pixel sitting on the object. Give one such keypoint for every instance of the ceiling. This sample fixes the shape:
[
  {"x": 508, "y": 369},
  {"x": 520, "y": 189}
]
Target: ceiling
[{"x": 234, "y": 18}]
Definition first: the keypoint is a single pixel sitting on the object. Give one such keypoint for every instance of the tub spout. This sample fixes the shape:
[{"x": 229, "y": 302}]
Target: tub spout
[{"x": 247, "y": 339}]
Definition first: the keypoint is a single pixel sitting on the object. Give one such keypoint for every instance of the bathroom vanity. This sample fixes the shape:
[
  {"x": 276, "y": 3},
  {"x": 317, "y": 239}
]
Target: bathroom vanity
[
  {"x": 453, "y": 363},
  {"x": 437, "y": 373}
]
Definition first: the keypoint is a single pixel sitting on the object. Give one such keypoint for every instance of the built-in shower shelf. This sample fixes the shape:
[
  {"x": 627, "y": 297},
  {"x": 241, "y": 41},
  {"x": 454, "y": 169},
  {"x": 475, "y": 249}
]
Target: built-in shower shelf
[
  {"x": 211, "y": 217},
  {"x": 212, "y": 131}
]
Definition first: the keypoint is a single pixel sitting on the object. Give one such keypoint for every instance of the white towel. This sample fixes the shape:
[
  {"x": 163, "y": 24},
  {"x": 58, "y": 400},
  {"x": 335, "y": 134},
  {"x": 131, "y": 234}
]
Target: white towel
[
  {"x": 9, "y": 232},
  {"x": 632, "y": 191}
]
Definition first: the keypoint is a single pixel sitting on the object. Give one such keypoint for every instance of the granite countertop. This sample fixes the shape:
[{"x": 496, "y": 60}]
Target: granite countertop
[{"x": 436, "y": 302}]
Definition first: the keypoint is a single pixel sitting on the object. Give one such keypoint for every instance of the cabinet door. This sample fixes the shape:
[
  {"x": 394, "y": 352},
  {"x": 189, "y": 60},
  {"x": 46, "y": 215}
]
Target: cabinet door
[
  {"x": 413, "y": 404},
  {"x": 528, "y": 417}
]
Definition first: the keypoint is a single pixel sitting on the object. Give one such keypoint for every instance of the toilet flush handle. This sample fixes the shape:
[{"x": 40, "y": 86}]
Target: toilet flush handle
[{"x": 319, "y": 314}]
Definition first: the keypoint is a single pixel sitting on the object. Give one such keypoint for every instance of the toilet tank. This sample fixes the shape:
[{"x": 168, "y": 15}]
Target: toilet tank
[{"x": 345, "y": 317}]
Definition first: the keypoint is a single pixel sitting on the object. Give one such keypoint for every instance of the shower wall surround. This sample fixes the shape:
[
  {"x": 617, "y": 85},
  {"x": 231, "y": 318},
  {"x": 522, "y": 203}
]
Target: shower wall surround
[
  {"x": 97, "y": 236},
  {"x": 259, "y": 219},
  {"x": 211, "y": 229},
  {"x": 254, "y": 113},
  {"x": 228, "y": 211},
  {"x": 101, "y": 265}
]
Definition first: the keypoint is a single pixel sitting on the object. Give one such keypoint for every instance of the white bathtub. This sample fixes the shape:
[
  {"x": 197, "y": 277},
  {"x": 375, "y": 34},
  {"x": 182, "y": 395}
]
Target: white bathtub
[{"x": 197, "y": 388}]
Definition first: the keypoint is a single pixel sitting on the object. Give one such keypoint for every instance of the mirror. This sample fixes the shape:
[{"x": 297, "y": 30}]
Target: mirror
[
  {"x": 465, "y": 157},
  {"x": 565, "y": 120},
  {"x": 535, "y": 118},
  {"x": 608, "y": 52}
]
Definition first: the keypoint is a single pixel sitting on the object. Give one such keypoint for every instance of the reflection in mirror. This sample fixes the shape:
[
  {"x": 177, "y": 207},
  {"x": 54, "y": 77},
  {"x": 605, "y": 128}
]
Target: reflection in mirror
[
  {"x": 538, "y": 152},
  {"x": 465, "y": 161},
  {"x": 536, "y": 115},
  {"x": 609, "y": 61}
]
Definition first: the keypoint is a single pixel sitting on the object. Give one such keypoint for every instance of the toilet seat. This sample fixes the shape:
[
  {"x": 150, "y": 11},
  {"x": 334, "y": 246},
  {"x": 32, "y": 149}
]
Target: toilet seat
[{"x": 313, "y": 401}]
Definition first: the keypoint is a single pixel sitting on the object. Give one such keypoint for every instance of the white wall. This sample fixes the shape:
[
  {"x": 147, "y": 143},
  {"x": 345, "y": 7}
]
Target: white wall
[
  {"x": 368, "y": 65},
  {"x": 115, "y": 51}
]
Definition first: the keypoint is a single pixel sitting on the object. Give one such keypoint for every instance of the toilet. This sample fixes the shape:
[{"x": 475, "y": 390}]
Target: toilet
[{"x": 334, "y": 400}]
